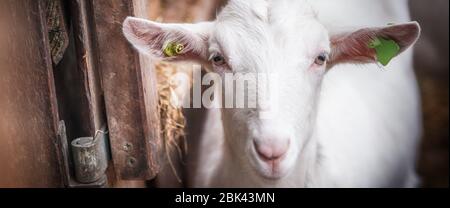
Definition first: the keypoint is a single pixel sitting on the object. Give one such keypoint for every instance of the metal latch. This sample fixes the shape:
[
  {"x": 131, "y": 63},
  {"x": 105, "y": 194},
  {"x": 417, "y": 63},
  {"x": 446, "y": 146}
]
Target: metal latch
[{"x": 87, "y": 166}]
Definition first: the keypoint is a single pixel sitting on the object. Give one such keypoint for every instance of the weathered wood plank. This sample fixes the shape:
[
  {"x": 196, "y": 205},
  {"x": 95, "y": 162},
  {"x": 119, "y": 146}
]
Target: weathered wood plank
[
  {"x": 81, "y": 16},
  {"x": 28, "y": 110},
  {"x": 130, "y": 94}
]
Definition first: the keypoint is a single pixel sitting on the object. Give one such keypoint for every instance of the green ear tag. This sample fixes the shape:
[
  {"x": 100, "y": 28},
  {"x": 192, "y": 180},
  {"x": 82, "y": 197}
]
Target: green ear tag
[
  {"x": 386, "y": 50},
  {"x": 173, "y": 49}
]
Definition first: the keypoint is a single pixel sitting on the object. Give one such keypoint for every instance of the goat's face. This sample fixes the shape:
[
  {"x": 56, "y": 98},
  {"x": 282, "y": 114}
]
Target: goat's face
[
  {"x": 284, "y": 42},
  {"x": 283, "y": 60}
]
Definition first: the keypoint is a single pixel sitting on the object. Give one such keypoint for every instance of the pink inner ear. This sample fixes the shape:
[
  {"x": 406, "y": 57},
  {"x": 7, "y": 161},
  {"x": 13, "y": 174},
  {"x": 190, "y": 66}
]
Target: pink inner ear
[
  {"x": 405, "y": 35},
  {"x": 353, "y": 47},
  {"x": 147, "y": 34},
  {"x": 144, "y": 35},
  {"x": 150, "y": 38}
]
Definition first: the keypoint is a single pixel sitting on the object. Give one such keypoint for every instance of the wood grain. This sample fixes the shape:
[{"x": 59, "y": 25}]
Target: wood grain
[
  {"x": 130, "y": 94},
  {"x": 28, "y": 112}
]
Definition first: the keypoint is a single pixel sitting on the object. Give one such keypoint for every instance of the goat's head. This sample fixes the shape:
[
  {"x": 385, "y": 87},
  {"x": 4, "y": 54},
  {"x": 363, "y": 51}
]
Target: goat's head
[{"x": 283, "y": 38}]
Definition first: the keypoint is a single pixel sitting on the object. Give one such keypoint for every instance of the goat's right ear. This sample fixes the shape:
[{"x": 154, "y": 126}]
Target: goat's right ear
[
  {"x": 358, "y": 46},
  {"x": 177, "y": 42}
]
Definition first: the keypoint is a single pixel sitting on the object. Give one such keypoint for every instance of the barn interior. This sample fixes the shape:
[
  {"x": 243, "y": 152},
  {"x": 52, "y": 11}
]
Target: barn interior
[{"x": 66, "y": 72}]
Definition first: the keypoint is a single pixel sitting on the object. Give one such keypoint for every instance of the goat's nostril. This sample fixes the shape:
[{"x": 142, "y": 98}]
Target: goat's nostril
[{"x": 270, "y": 152}]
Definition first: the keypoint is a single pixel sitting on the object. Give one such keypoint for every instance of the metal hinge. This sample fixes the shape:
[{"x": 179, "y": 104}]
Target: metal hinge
[{"x": 86, "y": 159}]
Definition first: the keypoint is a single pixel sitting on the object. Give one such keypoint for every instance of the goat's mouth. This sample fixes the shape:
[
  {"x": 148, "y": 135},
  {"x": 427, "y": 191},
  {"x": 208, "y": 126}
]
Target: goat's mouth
[
  {"x": 271, "y": 168},
  {"x": 273, "y": 172}
]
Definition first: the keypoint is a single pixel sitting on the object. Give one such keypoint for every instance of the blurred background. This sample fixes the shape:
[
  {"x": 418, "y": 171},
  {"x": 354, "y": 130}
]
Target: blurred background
[
  {"x": 431, "y": 59},
  {"x": 431, "y": 64}
]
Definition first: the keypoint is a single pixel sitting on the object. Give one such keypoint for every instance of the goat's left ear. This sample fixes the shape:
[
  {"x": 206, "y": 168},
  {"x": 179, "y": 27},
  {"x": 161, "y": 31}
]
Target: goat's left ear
[
  {"x": 370, "y": 45},
  {"x": 170, "y": 42}
]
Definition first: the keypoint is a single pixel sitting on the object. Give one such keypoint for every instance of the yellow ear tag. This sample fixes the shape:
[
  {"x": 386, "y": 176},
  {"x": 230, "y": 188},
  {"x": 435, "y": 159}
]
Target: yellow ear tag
[{"x": 173, "y": 49}]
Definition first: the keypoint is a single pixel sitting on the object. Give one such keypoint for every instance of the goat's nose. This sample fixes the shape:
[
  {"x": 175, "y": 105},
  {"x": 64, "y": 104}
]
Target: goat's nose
[{"x": 274, "y": 150}]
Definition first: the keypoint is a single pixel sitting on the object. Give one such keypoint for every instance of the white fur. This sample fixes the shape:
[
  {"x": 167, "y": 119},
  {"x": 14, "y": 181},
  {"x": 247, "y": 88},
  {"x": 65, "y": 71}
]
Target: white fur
[
  {"x": 354, "y": 126},
  {"x": 368, "y": 121}
]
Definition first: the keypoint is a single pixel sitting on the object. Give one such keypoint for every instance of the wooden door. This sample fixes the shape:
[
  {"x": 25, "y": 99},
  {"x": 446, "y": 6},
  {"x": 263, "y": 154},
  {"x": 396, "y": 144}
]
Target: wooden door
[
  {"x": 94, "y": 85},
  {"x": 28, "y": 108}
]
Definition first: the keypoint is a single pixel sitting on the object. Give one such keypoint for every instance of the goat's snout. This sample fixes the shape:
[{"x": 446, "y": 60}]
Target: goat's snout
[{"x": 272, "y": 150}]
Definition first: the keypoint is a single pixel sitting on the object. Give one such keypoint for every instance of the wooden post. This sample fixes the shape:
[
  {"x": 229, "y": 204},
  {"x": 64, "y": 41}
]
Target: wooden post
[
  {"x": 129, "y": 85},
  {"x": 28, "y": 107}
]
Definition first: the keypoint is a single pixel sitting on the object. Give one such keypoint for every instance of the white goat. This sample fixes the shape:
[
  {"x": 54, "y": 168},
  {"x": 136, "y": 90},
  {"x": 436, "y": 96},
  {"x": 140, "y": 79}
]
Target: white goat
[{"x": 342, "y": 122}]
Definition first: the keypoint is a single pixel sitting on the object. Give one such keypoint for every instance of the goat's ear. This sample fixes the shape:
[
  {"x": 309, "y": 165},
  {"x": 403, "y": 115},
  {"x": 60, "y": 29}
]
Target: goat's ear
[
  {"x": 361, "y": 46},
  {"x": 178, "y": 42}
]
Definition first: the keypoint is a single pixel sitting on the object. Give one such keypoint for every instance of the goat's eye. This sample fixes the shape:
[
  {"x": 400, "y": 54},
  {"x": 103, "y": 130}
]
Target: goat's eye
[
  {"x": 321, "y": 59},
  {"x": 218, "y": 60}
]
